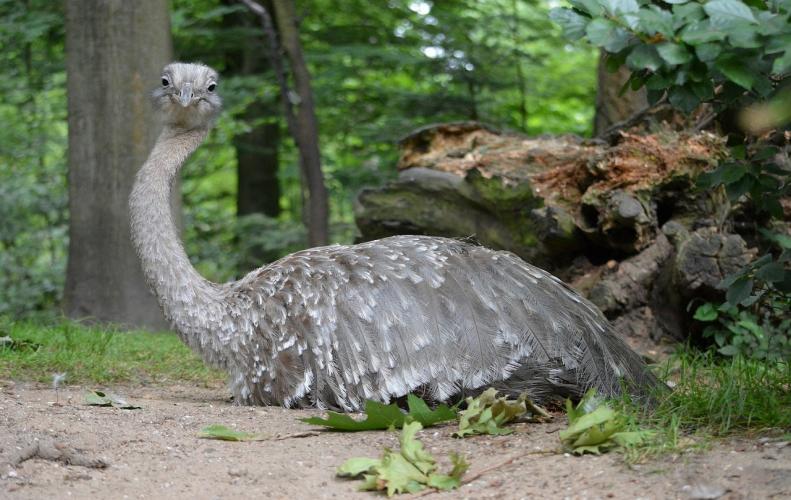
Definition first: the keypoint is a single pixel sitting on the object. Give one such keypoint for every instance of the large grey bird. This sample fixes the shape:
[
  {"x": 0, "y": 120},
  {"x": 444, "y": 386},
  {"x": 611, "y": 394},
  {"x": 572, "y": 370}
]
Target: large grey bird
[{"x": 336, "y": 325}]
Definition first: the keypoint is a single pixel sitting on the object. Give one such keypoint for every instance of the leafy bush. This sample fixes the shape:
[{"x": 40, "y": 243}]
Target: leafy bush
[
  {"x": 755, "y": 320},
  {"x": 710, "y": 51}
]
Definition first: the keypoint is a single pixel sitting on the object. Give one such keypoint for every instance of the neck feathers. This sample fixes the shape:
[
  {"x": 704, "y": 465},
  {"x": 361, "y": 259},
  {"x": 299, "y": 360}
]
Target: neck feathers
[{"x": 183, "y": 294}]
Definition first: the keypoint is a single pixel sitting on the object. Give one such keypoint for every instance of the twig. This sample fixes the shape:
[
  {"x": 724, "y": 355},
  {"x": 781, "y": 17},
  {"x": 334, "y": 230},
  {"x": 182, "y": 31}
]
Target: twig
[
  {"x": 297, "y": 435},
  {"x": 57, "y": 452},
  {"x": 612, "y": 131},
  {"x": 704, "y": 122}
]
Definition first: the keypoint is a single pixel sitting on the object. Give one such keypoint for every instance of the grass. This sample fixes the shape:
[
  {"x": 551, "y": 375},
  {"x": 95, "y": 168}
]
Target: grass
[
  {"x": 713, "y": 397},
  {"x": 97, "y": 354}
]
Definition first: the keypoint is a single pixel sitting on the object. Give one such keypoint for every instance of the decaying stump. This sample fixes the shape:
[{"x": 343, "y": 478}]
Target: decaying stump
[{"x": 623, "y": 223}]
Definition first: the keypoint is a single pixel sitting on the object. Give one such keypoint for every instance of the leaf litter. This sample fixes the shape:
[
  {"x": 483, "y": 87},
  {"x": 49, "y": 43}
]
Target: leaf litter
[
  {"x": 408, "y": 470},
  {"x": 487, "y": 414},
  {"x": 594, "y": 427},
  {"x": 380, "y": 416}
]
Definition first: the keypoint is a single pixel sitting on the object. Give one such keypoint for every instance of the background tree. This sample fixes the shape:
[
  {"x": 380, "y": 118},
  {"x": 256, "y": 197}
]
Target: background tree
[
  {"x": 298, "y": 107},
  {"x": 114, "y": 50}
]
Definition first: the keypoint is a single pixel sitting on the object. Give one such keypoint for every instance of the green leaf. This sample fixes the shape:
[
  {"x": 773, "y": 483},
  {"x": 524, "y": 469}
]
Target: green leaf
[
  {"x": 782, "y": 64},
  {"x": 572, "y": 23},
  {"x": 687, "y": 13},
  {"x": 778, "y": 44},
  {"x": 771, "y": 273},
  {"x": 644, "y": 57},
  {"x": 732, "y": 172},
  {"x": 736, "y": 71},
  {"x": 223, "y": 433},
  {"x": 592, "y": 7},
  {"x": 700, "y": 32},
  {"x": 606, "y": 34},
  {"x": 615, "y": 7},
  {"x": 740, "y": 290},
  {"x": 744, "y": 36},
  {"x": 706, "y": 312},
  {"x": 783, "y": 240},
  {"x": 409, "y": 470},
  {"x": 594, "y": 427},
  {"x": 380, "y": 416},
  {"x": 673, "y": 53},
  {"x": 727, "y": 12},
  {"x": 399, "y": 475},
  {"x": 656, "y": 20},
  {"x": 356, "y": 466},
  {"x": 419, "y": 411},
  {"x": 708, "y": 51},
  {"x": 683, "y": 98},
  {"x": 739, "y": 188},
  {"x": 99, "y": 398}
]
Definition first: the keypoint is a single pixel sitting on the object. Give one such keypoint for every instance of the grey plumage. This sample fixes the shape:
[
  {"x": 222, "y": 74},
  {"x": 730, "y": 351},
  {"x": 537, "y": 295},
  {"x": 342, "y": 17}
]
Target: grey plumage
[{"x": 333, "y": 326}]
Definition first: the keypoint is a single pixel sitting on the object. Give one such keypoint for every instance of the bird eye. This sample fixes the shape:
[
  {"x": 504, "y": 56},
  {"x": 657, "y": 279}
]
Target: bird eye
[
  {"x": 165, "y": 81},
  {"x": 211, "y": 87}
]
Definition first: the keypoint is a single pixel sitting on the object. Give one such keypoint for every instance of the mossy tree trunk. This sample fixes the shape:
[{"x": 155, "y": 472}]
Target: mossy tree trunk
[{"x": 115, "y": 51}]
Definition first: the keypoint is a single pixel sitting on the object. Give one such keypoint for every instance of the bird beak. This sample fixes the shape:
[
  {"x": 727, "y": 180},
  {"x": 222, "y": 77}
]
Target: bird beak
[{"x": 186, "y": 94}]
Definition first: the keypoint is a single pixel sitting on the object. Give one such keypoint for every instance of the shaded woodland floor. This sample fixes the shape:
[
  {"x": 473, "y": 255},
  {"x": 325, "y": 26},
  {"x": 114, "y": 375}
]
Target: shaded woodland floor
[{"x": 154, "y": 452}]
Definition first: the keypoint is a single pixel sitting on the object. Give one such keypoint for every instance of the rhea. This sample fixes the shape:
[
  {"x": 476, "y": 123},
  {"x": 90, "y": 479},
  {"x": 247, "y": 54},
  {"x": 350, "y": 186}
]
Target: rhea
[{"x": 336, "y": 325}]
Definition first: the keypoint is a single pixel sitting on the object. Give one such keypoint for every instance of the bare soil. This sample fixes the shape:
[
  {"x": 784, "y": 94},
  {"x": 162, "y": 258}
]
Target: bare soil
[{"x": 154, "y": 452}]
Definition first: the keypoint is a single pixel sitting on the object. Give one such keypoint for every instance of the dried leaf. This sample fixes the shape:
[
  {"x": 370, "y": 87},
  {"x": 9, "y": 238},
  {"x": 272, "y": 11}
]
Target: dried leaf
[{"x": 487, "y": 414}]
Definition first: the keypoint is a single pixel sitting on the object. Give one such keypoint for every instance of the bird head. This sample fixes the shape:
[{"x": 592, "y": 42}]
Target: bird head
[{"x": 187, "y": 95}]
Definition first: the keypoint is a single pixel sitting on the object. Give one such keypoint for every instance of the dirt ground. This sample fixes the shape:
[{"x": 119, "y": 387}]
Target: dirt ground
[{"x": 154, "y": 452}]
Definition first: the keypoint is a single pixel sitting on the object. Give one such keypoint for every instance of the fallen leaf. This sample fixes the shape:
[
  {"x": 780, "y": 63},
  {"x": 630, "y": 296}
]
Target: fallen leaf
[
  {"x": 382, "y": 416},
  {"x": 99, "y": 398},
  {"x": 223, "y": 433},
  {"x": 408, "y": 470},
  {"x": 487, "y": 414},
  {"x": 595, "y": 428}
]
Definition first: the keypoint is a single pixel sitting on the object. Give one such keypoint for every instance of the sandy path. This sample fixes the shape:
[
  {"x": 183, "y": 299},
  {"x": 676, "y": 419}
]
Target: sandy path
[{"x": 155, "y": 453}]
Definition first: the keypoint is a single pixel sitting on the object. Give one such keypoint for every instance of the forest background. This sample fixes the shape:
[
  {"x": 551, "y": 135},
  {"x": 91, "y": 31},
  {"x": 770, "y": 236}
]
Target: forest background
[{"x": 380, "y": 70}]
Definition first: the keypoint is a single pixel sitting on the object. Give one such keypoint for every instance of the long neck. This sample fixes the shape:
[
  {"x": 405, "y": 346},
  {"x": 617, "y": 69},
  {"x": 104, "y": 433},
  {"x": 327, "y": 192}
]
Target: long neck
[{"x": 183, "y": 293}]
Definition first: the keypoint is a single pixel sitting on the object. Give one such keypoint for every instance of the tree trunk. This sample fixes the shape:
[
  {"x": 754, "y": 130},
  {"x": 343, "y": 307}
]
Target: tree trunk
[
  {"x": 115, "y": 50},
  {"x": 306, "y": 132},
  {"x": 612, "y": 108},
  {"x": 257, "y": 151}
]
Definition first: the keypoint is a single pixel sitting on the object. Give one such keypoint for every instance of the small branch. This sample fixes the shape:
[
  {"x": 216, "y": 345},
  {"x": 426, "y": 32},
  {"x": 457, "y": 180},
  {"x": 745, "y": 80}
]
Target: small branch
[
  {"x": 297, "y": 435},
  {"x": 57, "y": 452},
  {"x": 611, "y": 133}
]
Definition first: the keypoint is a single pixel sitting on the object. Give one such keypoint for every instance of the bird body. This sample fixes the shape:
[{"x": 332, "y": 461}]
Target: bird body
[{"x": 336, "y": 325}]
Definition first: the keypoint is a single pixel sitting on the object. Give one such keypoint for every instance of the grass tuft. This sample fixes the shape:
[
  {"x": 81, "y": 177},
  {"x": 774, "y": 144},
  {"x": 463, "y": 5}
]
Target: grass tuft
[
  {"x": 712, "y": 397},
  {"x": 97, "y": 354}
]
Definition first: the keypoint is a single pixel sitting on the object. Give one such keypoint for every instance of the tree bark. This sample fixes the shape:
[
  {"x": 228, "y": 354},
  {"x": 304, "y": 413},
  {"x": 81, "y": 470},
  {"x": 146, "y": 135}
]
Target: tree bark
[
  {"x": 611, "y": 107},
  {"x": 256, "y": 150},
  {"x": 303, "y": 124},
  {"x": 306, "y": 132},
  {"x": 115, "y": 50}
]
